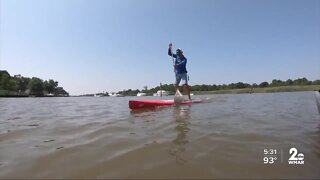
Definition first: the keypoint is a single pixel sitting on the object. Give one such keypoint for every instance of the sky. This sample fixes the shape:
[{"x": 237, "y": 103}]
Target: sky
[{"x": 92, "y": 46}]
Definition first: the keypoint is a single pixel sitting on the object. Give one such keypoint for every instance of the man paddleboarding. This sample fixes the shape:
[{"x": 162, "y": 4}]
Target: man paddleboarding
[{"x": 180, "y": 62}]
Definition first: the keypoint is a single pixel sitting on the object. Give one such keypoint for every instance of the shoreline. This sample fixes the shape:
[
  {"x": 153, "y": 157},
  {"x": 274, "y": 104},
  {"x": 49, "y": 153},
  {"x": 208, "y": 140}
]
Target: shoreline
[
  {"x": 263, "y": 90},
  {"x": 227, "y": 91}
]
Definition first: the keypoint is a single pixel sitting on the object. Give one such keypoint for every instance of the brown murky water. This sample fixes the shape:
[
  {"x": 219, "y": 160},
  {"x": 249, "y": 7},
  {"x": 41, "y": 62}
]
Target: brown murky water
[{"x": 224, "y": 137}]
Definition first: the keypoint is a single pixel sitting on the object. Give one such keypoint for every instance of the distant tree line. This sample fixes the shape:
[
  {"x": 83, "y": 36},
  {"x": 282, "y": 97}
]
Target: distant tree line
[
  {"x": 19, "y": 85},
  {"x": 239, "y": 85}
]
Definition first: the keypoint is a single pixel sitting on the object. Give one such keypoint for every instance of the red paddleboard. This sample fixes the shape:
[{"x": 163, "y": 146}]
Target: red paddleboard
[{"x": 152, "y": 103}]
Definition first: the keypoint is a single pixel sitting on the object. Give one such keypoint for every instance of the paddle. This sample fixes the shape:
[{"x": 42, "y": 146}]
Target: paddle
[{"x": 170, "y": 45}]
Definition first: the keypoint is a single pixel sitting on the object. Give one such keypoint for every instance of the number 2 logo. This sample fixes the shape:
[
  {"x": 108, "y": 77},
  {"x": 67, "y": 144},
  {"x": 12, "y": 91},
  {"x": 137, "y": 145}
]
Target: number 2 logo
[{"x": 294, "y": 155}]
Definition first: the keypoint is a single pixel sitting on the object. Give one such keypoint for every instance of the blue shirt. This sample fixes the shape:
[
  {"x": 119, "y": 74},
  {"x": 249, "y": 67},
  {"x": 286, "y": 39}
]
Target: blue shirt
[{"x": 180, "y": 62}]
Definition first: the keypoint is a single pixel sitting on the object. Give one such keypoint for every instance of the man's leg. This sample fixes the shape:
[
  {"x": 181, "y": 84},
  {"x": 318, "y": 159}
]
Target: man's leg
[
  {"x": 186, "y": 86},
  {"x": 188, "y": 90},
  {"x": 178, "y": 79}
]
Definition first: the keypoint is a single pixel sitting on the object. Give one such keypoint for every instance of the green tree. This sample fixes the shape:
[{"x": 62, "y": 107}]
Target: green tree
[
  {"x": 214, "y": 87},
  {"x": 13, "y": 85},
  {"x": 302, "y": 81},
  {"x": 195, "y": 88},
  {"x": 4, "y": 80},
  {"x": 59, "y": 91},
  {"x": 204, "y": 87},
  {"x": 289, "y": 82},
  {"x": 254, "y": 85},
  {"x": 241, "y": 85},
  {"x": 50, "y": 85},
  {"x": 36, "y": 86},
  {"x": 145, "y": 89},
  {"x": 316, "y": 82},
  {"x": 264, "y": 84},
  {"x": 276, "y": 83},
  {"x": 223, "y": 87},
  {"x": 22, "y": 83}
]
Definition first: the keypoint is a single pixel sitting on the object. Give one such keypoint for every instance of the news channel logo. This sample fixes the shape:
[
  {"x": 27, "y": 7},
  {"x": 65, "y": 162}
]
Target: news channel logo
[
  {"x": 296, "y": 157},
  {"x": 274, "y": 156}
]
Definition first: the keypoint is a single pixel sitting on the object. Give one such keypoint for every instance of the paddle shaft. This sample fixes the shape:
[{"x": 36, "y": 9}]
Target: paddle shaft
[{"x": 173, "y": 63}]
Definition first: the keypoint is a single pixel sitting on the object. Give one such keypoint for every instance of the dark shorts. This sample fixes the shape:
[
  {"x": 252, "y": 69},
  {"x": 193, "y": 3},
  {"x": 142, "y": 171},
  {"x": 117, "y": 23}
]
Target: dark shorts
[{"x": 183, "y": 76}]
